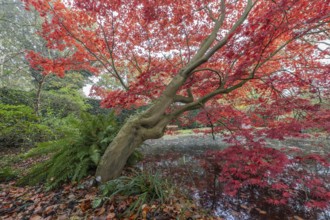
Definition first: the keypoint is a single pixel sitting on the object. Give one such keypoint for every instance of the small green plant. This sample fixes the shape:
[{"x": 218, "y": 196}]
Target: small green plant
[
  {"x": 76, "y": 155},
  {"x": 146, "y": 187},
  {"x": 134, "y": 158},
  {"x": 7, "y": 174},
  {"x": 8, "y": 168}
]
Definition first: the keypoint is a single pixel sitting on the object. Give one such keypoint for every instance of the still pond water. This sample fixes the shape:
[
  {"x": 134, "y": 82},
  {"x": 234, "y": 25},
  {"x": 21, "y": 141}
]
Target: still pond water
[{"x": 179, "y": 159}]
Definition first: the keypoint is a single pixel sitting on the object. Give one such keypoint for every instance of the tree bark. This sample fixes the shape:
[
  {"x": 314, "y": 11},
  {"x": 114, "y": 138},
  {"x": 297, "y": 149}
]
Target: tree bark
[
  {"x": 130, "y": 137},
  {"x": 116, "y": 155},
  {"x": 37, "y": 101},
  {"x": 150, "y": 124}
]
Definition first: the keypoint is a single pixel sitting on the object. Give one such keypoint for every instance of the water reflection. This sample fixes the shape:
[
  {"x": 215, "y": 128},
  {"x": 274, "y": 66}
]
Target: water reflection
[{"x": 184, "y": 169}]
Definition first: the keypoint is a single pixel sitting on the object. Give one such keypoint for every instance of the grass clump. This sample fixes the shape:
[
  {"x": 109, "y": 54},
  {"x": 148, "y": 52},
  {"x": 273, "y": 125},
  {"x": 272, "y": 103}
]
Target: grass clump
[
  {"x": 143, "y": 186},
  {"x": 7, "y": 174}
]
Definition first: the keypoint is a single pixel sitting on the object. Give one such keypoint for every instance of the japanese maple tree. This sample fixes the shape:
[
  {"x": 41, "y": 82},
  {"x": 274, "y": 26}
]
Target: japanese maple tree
[{"x": 245, "y": 63}]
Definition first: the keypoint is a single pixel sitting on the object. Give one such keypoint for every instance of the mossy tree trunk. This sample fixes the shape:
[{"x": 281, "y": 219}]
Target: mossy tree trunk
[
  {"x": 150, "y": 124},
  {"x": 131, "y": 136}
]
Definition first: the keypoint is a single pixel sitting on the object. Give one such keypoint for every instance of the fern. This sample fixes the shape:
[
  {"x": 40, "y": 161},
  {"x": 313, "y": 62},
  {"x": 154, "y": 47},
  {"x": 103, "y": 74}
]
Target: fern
[{"x": 75, "y": 155}]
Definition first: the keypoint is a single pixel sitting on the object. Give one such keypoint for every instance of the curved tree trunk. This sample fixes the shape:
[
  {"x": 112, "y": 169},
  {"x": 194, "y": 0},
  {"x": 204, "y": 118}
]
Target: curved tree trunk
[
  {"x": 117, "y": 153},
  {"x": 130, "y": 136},
  {"x": 150, "y": 124}
]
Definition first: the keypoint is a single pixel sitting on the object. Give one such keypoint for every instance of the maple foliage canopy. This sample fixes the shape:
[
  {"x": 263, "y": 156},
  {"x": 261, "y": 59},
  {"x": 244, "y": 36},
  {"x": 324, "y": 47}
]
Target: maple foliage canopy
[{"x": 244, "y": 62}]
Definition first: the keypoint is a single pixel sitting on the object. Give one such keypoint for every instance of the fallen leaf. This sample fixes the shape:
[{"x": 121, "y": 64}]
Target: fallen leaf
[
  {"x": 262, "y": 212},
  {"x": 244, "y": 207},
  {"x": 62, "y": 217},
  {"x": 71, "y": 196},
  {"x": 111, "y": 216},
  {"x": 145, "y": 207},
  {"x": 134, "y": 216},
  {"x": 178, "y": 206},
  {"x": 50, "y": 209},
  {"x": 234, "y": 213},
  {"x": 100, "y": 211},
  {"x": 144, "y": 214},
  {"x": 187, "y": 214},
  {"x": 63, "y": 206},
  {"x": 35, "y": 217},
  {"x": 85, "y": 205},
  {"x": 111, "y": 208},
  {"x": 122, "y": 205},
  {"x": 38, "y": 210}
]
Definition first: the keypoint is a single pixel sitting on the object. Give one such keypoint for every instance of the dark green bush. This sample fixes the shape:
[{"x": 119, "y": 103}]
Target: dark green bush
[
  {"x": 77, "y": 154},
  {"x": 19, "y": 127},
  {"x": 59, "y": 103},
  {"x": 62, "y": 102},
  {"x": 95, "y": 107},
  {"x": 16, "y": 97}
]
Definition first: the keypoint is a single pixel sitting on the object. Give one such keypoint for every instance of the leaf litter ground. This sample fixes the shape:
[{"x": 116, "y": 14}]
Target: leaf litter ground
[{"x": 75, "y": 201}]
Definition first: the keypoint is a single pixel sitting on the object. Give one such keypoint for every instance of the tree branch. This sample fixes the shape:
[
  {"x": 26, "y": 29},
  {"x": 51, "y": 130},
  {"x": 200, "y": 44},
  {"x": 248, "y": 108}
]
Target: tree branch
[
  {"x": 220, "y": 74},
  {"x": 111, "y": 54},
  {"x": 184, "y": 99},
  {"x": 202, "y": 55},
  {"x": 210, "y": 39},
  {"x": 240, "y": 21},
  {"x": 204, "y": 99},
  {"x": 88, "y": 49}
]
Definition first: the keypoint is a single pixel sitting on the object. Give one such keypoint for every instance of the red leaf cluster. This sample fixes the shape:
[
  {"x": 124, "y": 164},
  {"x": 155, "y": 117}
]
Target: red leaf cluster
[
  {"x": 142, "y": 45},
  {"x": 269, "y": 175}
]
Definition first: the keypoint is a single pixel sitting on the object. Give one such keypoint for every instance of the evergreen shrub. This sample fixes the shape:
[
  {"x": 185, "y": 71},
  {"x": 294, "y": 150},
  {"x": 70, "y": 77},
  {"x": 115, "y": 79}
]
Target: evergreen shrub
[{"x": 20, "y": 127}]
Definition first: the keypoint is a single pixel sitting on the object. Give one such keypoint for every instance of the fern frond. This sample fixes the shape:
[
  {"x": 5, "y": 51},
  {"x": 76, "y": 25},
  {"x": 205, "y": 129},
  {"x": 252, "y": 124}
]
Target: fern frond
[{"x": 75, "y": 155}]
